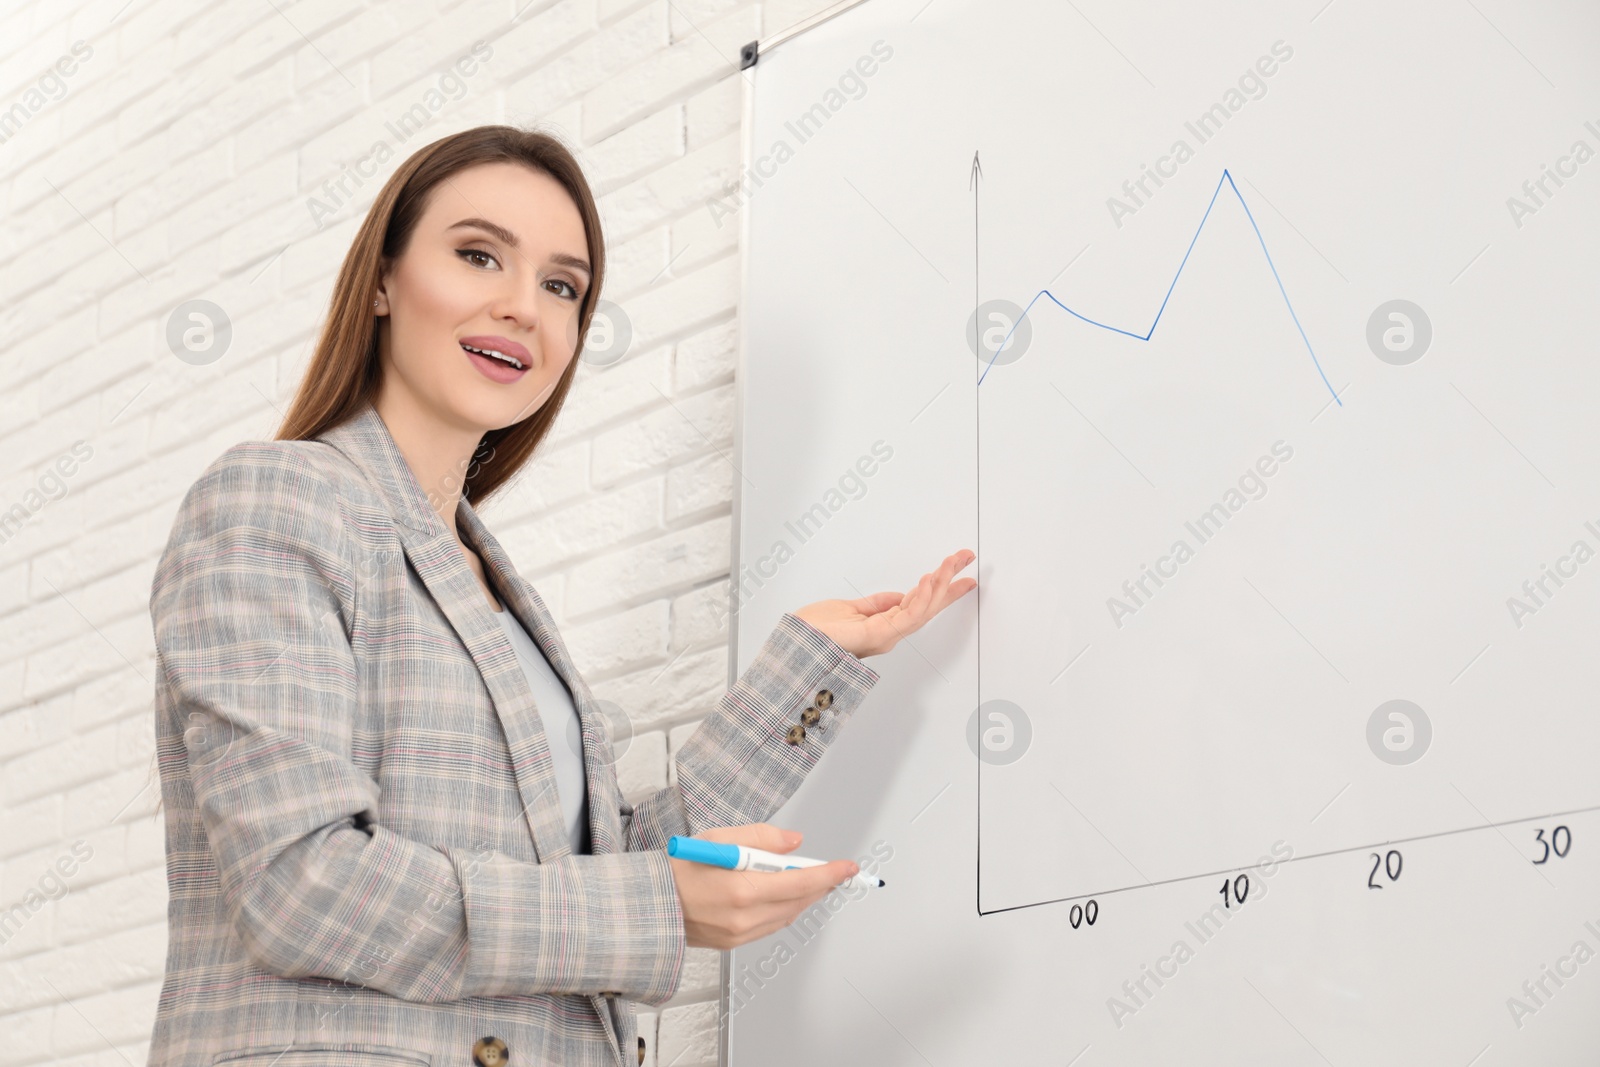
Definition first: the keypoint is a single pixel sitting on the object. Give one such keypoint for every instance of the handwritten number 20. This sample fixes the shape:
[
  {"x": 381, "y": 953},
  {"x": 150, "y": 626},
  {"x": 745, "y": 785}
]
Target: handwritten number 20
[{"x": 1391, "y": 863}]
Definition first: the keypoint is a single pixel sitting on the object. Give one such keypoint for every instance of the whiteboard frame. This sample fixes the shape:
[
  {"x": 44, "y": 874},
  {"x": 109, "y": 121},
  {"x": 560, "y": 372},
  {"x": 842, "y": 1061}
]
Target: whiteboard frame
[{"x": 746, "y": 158}]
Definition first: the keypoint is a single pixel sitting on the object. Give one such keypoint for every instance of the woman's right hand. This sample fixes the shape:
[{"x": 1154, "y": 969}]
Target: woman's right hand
[{"x": 723, "y": 909}]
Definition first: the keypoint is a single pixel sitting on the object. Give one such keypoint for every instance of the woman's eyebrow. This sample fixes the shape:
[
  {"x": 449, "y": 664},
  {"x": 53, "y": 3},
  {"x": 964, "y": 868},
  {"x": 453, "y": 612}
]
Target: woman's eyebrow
[{"x": 510, "y": 239}]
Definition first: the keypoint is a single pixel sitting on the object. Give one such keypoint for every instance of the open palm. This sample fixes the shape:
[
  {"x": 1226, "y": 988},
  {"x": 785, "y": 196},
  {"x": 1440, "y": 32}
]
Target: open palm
[{"x": 873, "y": 624}]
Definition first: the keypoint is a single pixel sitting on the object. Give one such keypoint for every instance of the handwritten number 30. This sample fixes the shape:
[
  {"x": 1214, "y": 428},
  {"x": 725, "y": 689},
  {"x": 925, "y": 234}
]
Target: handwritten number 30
[{"x": 1560, "y": 843}]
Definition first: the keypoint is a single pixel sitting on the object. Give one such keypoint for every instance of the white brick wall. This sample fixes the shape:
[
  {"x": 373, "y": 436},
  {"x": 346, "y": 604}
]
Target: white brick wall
[{"x": 178, "y": 163}]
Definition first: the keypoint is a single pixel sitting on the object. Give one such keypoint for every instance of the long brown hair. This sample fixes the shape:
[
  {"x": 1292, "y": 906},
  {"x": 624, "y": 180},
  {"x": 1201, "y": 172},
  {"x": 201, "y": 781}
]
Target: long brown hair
[{"x": 344, "y": 372}]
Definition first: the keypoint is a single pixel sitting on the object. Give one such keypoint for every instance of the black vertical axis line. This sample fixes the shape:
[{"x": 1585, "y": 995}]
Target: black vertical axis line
[{"x": 977, "y": 346}]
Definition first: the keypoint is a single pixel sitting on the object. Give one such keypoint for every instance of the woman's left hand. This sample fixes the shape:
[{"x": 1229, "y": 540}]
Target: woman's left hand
[{"x": 876, "y": 623}]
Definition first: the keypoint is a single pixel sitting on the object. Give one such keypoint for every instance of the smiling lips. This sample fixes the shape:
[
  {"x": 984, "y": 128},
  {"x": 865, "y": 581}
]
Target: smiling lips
[{"x": 498, "y": 358}]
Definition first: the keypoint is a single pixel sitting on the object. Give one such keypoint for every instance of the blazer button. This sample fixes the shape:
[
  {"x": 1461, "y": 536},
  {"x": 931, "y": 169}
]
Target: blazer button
[
  {"x": 797, "y": 734},
  {"x": 490, "y": 1052},
  {"x": 823, "y": 699},
  {"x": 810, "y": 716}
]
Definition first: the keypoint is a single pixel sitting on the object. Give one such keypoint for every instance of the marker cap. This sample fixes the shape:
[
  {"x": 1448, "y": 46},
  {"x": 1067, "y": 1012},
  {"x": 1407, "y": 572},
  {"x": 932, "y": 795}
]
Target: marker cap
[{"x": 711, "y": 852}]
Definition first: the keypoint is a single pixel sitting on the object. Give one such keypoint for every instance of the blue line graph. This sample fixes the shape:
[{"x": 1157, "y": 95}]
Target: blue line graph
[{"x": 1228, "y": 179}]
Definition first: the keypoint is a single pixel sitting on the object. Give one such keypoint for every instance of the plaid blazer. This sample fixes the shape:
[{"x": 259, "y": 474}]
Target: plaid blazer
[{"x": 365, "y": 853}]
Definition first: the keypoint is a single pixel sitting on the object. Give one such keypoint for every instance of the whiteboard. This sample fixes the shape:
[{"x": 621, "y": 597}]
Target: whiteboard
[{"x": 1251, "y": 347}]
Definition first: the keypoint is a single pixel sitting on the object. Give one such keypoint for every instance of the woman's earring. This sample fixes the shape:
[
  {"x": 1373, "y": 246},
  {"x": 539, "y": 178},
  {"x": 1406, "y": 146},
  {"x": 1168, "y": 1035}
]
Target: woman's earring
[{"x": 374, "y": 303}]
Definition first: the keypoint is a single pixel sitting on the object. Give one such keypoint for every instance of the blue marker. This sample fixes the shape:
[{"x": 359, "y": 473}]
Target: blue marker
[{"x": 740, "y": 858}]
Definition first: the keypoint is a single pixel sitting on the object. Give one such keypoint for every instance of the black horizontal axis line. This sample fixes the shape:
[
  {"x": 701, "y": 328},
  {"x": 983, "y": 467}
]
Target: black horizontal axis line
[{"x": 1294, "y": 859}]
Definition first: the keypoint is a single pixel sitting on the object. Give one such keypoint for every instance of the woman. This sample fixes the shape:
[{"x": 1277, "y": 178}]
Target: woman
[{"x": 380, "y": 849}]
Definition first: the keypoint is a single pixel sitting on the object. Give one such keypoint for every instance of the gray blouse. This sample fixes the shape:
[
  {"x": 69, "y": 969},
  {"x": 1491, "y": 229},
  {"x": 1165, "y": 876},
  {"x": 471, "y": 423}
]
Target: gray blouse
[{"x": 562, "y": 730}]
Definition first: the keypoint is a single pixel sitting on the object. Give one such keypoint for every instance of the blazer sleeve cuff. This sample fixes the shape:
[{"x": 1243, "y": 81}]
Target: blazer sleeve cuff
[
  {"x": 592, "y": 924},
  {"x": 787, "y": 708}
]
